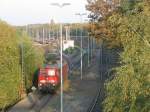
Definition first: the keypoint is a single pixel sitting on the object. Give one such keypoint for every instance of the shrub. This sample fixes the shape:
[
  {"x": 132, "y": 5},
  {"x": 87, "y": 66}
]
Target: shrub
[
  {"x": 10, "y": 69},
  {"x": 12, "y": 45}
]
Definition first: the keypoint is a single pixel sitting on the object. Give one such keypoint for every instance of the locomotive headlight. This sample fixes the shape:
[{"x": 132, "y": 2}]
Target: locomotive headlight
[
  {"x": 42, "y": 81},
  {"x": 52, "y": 81},
  {"x": 51, "y": 72}
]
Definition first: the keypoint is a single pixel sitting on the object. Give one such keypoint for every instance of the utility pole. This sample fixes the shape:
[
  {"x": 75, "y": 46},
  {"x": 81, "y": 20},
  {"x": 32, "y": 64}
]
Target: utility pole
[
  {"x": 43, "y": 36},
  {"x": 66, "y": 32},
  {"x": 37, "y": 35},
  {"x": 26, "y": 29},
  {"x": 101, "y": 56},
  {"x": 49, "y": 35},
  {"x": 69, "y": 33},
  {"x": 23, "y": 84},
  {"x": 88, "y": 50},
  {"x": 88, "y": 45},
  {"x": 22, "y": 71},
  {"x": 61, "y": 60},
  {"x": 91, "y": 47},
  {"x": 81, "y": 62},
  {"x": 76, "y": 33}
]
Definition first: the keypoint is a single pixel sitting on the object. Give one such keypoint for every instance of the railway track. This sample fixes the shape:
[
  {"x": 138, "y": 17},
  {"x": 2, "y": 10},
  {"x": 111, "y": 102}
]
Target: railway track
[
  {"x": 41, "y": 103},
  {"x": 95, "y": 101},
  {"x": 35, "y": 103},
  {"x": 108, "y": 60}
]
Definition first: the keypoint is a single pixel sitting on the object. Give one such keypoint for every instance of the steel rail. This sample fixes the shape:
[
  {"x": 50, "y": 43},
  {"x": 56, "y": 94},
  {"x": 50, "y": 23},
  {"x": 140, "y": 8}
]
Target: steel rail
[{"x": 95, "y": 100}]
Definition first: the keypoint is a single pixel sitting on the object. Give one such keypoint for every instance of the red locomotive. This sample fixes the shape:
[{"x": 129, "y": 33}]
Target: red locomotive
[{"x": 49, "y": 76}]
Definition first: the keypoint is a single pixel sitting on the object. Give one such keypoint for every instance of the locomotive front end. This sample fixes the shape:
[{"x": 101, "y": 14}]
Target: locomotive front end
[{"x": 48, "y": 80}]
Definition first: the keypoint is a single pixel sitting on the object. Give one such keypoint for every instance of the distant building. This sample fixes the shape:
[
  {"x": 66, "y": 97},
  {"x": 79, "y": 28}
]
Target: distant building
[{"x": 67, "y": 44}]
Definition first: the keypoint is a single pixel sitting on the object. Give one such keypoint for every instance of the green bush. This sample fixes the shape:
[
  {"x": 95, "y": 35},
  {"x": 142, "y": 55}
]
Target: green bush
[
  {"x": 69, "y": 50},
  {"x": 10, "y": 64},
  {"x": 129, "y": 91},
  {"x": 10, "y": 69},
  {"x": 72, "y": 50},
  {"x": 32, "y": 58}
]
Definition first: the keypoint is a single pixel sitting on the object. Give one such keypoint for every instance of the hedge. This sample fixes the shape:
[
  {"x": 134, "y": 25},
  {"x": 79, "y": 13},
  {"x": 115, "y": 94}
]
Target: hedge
[{"x": 10, "y": 63}]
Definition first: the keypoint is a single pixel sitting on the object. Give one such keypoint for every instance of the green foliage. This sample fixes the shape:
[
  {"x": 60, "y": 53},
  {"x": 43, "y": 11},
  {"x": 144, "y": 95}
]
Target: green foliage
[
  {"x": 128, "y": 5},
  {"x": 129, "y": 91},
  {"x": 70, "y": 50},
  {"x": 51, "y": 58},
  {"x": 10, "y": 69},
  {"x": 32, "y": 59},
  {"x": 10, "y": 64}
]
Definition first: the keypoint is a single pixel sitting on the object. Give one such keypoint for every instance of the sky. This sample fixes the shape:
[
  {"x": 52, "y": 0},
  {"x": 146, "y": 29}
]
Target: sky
[{"x": 22, "y": 12}]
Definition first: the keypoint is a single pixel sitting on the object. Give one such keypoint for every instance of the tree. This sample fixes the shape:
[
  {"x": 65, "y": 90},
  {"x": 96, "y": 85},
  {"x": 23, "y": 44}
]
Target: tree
[
  {"x": 101, "y": 10},
  {"x": 129, "y": 25},
  {"x": 129, "y": 90}
]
